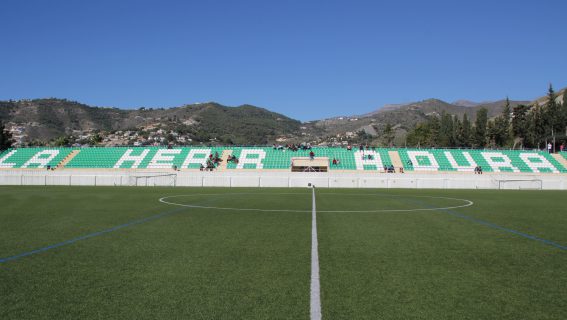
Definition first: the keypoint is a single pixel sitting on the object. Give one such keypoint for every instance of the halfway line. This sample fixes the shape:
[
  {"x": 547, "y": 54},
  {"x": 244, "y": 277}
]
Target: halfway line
[{"x": 315, "y": 286}]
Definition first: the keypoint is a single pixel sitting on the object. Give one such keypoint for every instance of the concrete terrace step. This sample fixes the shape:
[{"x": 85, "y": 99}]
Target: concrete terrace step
[
  {"x": 224, "y": 158},
  {"x": 68, "y": 158},
  {"x": 560, "y": 159},
  {"x": 396, "y": 160}
]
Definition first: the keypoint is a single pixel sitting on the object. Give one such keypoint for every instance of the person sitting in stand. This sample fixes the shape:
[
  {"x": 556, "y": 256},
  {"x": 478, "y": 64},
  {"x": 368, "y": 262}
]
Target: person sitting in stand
[
  {"x": 201, "y": 167},
  {"x": 210, "y": 165},
  {"x": 311, "y": 155},
  {"x": 478, "y": 170},
  {"x": 334, "y": 161},
  {"x": 232, "y": 159},
  {"x": 349, "y": 147},
  {"x": 401, "y": 169}
]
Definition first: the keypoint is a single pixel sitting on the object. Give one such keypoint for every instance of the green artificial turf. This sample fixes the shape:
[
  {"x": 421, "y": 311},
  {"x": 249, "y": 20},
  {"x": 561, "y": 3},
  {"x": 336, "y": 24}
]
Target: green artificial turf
[{"x": 388, "y": 260}]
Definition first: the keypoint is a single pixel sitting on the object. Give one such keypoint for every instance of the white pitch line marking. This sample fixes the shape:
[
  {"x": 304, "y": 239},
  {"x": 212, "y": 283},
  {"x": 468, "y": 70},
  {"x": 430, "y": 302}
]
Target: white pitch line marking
[
  {"x": 315, "y": 285},
  {"x": 467, "y": 203}
]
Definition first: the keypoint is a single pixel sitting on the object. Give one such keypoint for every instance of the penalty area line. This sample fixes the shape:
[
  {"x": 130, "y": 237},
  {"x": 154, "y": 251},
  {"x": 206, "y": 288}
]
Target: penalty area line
[{"x": 315, "y": 306}]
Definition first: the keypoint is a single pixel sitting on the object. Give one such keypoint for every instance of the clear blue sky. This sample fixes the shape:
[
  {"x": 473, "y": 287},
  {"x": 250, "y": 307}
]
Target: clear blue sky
[{"x": 305, "y": 59}]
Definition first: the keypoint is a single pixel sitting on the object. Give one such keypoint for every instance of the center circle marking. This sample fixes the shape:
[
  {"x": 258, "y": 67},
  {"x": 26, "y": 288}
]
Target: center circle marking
[{"x": 166, "y": 200}]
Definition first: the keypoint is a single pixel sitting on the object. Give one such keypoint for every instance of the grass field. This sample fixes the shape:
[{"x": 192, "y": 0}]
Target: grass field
[{"x": 213, "y": 253}]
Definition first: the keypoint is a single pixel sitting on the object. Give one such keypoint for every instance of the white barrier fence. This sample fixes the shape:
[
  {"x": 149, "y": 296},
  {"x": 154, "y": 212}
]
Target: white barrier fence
[{"x": 283, "y": 179}]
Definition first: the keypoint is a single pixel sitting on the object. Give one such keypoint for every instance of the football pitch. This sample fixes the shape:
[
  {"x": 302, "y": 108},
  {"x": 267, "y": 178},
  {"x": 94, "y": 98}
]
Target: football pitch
[{"x": 247, "y": 253}]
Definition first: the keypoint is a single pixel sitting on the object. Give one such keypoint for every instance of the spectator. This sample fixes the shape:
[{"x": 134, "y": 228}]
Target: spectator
[
  {"x": 349, "y": 147},
  {"x": 562, "y": 147},
  {"x": 478, "y": 170},
  {"x": 401, "y": 169},
  {"x": 311, "y": 155},
  {"x": 549, "y": 146},
  {"x": 410, "y": 163},
  {"x": 334, "y": 161}
]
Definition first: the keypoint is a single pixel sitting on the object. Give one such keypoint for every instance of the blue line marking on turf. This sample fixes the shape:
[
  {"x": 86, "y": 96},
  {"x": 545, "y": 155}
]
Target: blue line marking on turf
[
  {"x": 91, "y": 235},
  {"x": 491, "y": 225},
  {"x": 495, "y": 226}
]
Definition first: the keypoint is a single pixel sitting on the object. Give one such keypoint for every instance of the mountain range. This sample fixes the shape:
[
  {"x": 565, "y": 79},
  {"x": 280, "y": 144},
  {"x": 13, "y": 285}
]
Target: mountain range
[{"x": 46, "y": 119}]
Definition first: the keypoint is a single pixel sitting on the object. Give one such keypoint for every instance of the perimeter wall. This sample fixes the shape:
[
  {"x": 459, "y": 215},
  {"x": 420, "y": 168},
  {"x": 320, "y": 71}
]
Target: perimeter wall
[{"x": 546, "y": 181}]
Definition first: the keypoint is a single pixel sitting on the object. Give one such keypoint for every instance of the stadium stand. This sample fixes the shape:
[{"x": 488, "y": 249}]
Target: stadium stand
[
  {"x": 38, "y": 158},
  {"x": 268, "y": 158},
  {"x": 489, "y": 160}
]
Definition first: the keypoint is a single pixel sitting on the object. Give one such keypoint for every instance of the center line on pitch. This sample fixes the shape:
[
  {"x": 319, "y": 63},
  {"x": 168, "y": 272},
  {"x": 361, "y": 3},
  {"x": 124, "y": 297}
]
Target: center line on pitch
[{"x": 315, "y": 286}]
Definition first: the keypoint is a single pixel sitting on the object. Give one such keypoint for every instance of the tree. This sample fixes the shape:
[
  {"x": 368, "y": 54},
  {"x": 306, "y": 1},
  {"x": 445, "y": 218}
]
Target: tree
[
  {"x": 498, "y": 132},
  {"x": 520, "y": 123},
  {"x": 446, "y": 130},
  {"x": 505, "y": 125},
  {"x": 458, "y": 132},
  {"x": 467, "y": 131},
  {"x": 434, "y": 127},
  {"x": 95, "y": 139},
  {"x": 479, "y": 135},
  {"x": 506, "y": 111},
  {"x": 5, "y": 138},
  {"x": 419, "y": 136},
  {"x": 563, "y": 119},
  {"x": 550, "y": 114},
  {"x": 491, "y": 134},
  {"x": 499, "y": 129},
  {"x": 388, "y": 135},
  {"x": 536, "y": 126},
  {"x": 61, "y": 141}
]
